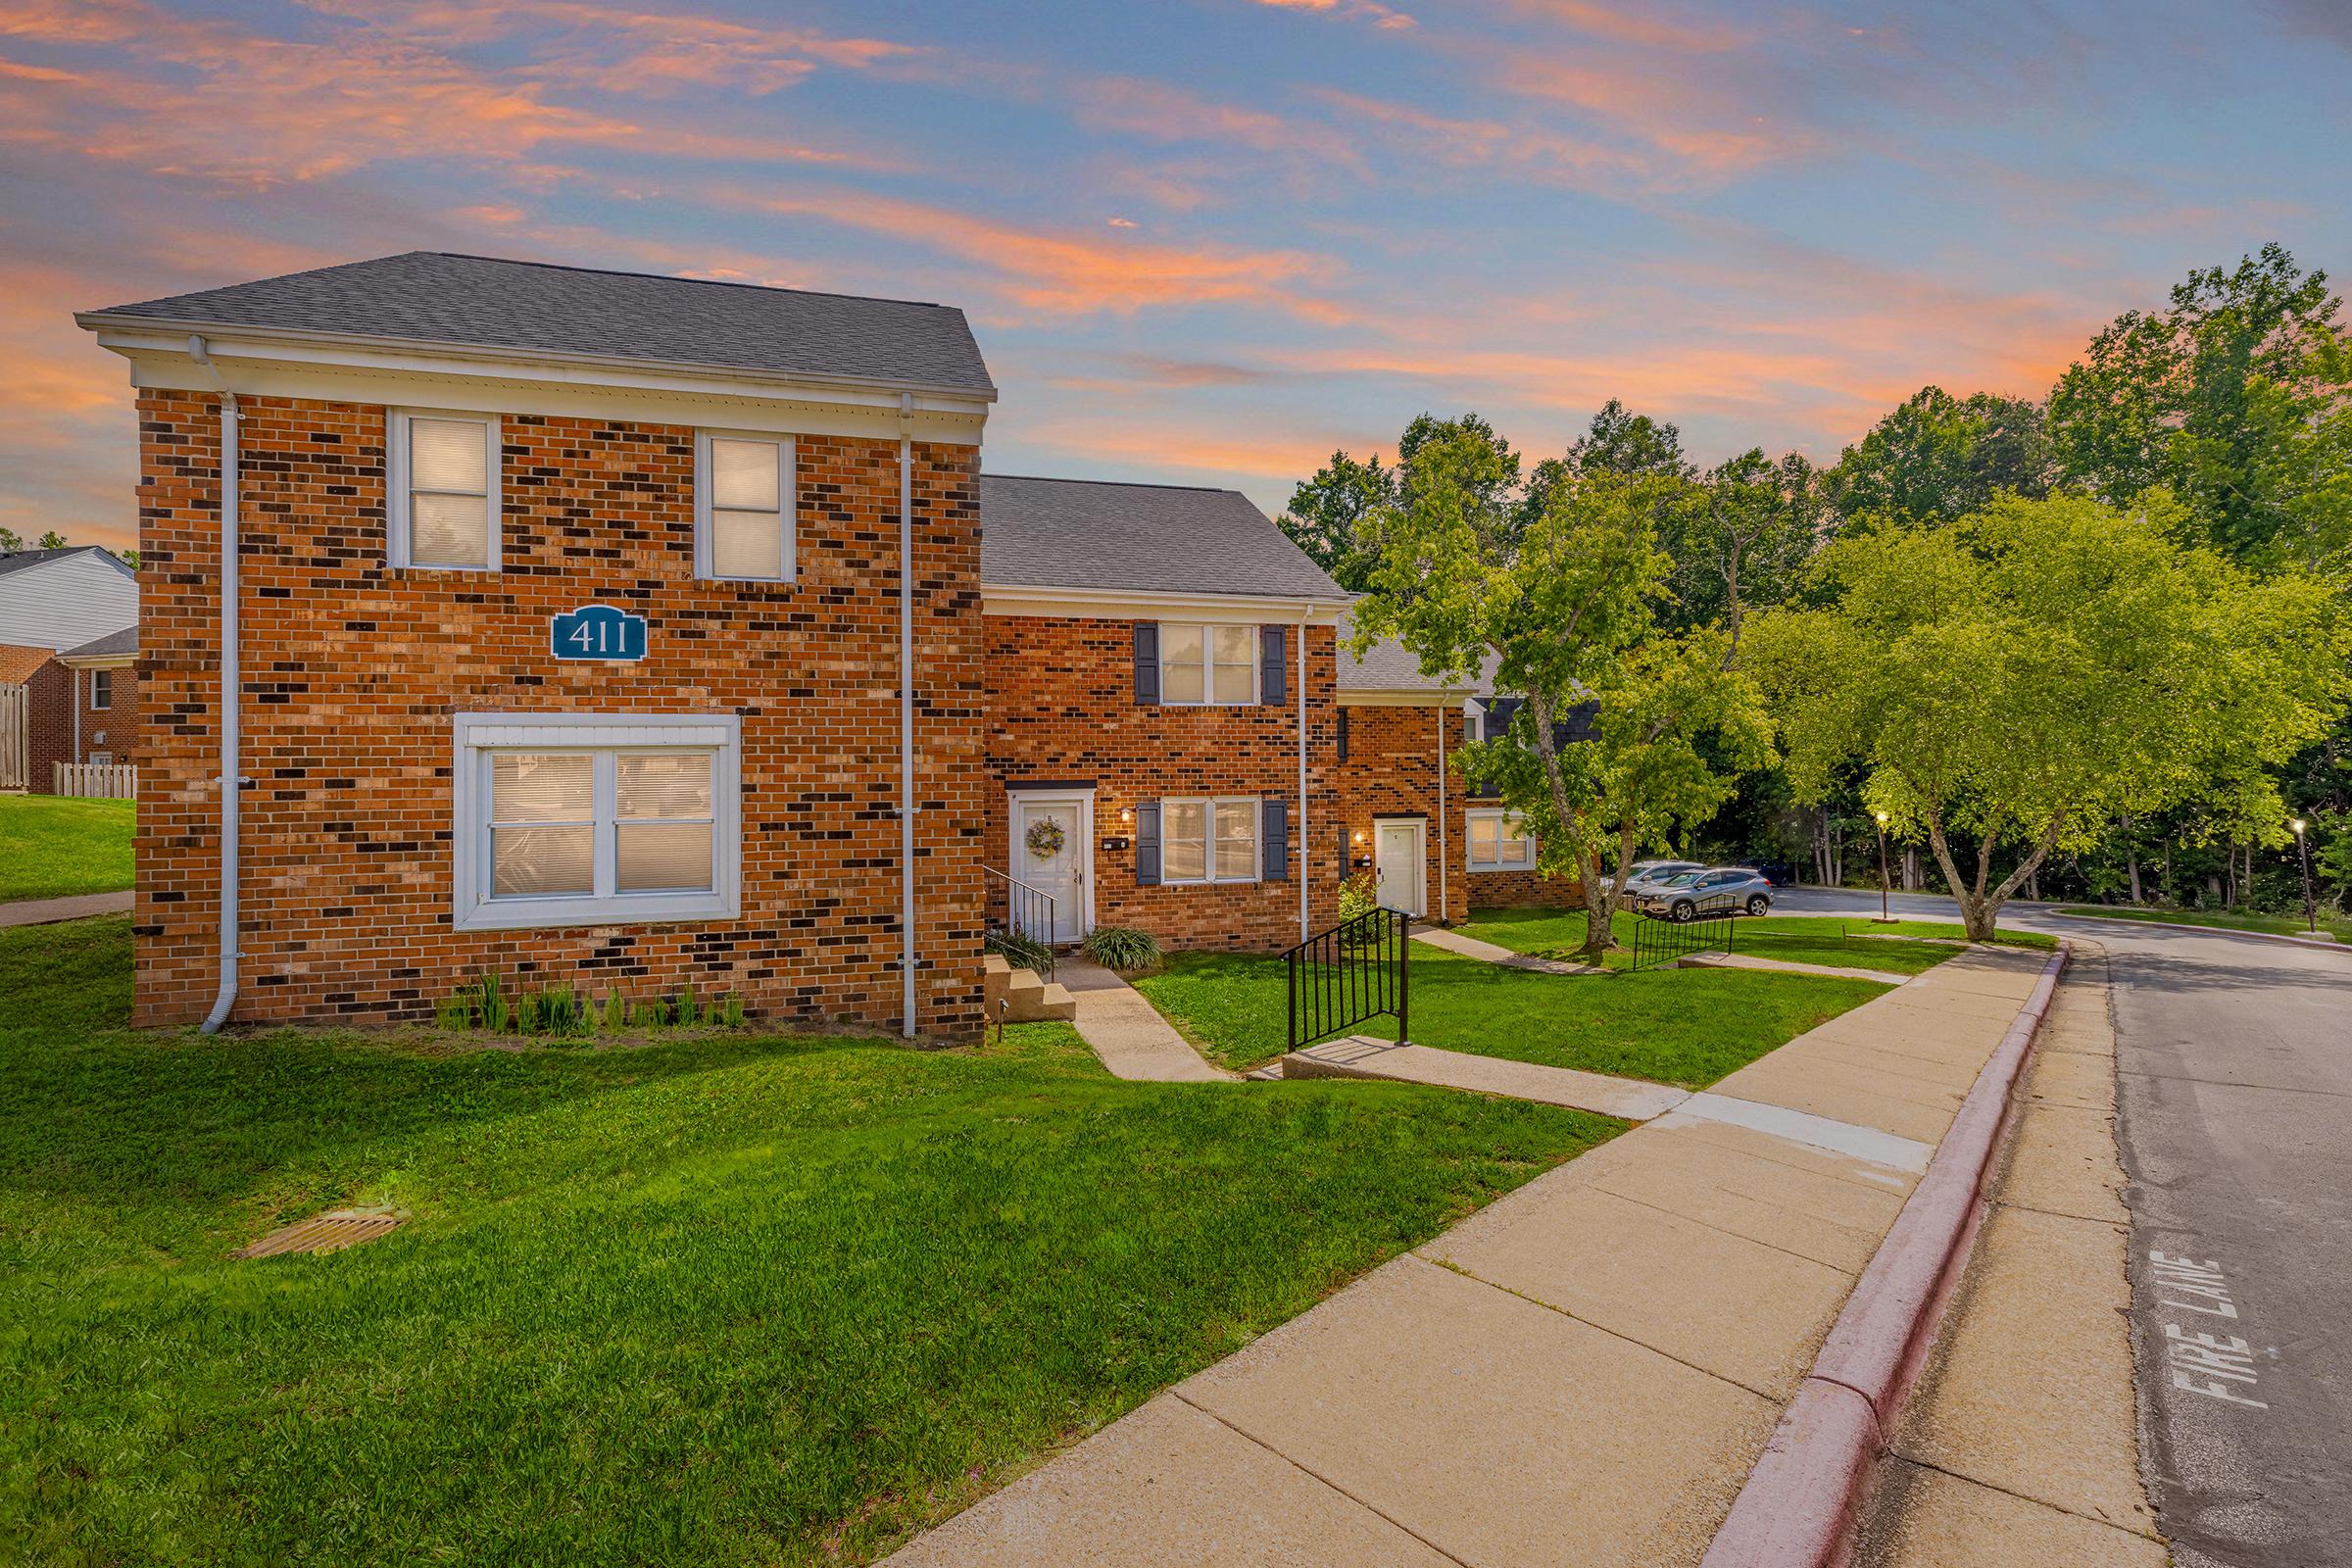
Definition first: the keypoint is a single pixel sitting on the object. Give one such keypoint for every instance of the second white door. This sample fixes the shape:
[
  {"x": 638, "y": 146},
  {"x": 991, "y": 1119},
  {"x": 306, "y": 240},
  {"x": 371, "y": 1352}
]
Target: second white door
[{"x": 1397, "y": 855}]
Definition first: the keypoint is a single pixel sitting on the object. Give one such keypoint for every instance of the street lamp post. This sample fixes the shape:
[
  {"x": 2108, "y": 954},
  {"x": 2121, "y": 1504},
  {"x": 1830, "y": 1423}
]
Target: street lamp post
[
  {"x": 1884, "y": 918},
  {"x": 2311, "y": 911}
]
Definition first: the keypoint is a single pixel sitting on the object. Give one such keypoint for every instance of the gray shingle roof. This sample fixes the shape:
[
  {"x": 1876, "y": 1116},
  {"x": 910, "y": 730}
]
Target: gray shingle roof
[
  {"x": 19, "y": 560},
  {"x": 482, "y": 302},
  {"x": 1387, "y": 667},
  {"x": 125, "y": 641},
  {"x": 1153, "y": 538}
]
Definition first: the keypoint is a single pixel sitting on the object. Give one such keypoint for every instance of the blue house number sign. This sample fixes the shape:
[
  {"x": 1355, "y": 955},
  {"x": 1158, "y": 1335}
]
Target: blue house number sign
[{"x": 596, "y": 631}]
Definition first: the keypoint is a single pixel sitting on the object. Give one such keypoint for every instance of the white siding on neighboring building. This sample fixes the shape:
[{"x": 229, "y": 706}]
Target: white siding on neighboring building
[{"x": 66, "y": 602}]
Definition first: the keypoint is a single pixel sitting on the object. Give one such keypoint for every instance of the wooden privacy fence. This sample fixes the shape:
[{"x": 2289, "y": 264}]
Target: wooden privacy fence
[
  {"x": 12, "y": 738},
  {"x": 111, "y": 781}
]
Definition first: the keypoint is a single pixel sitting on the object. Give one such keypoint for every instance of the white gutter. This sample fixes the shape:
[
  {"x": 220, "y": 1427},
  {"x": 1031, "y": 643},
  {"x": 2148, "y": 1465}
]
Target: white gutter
[
  {"x": 907, "y": 710},
  {"x": 230, "y": 781},
  {"x": 1306, "y": 929}
]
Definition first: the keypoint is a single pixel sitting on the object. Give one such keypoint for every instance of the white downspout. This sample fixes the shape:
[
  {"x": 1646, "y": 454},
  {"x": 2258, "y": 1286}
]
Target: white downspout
[
  {"x": 1444, "y": 828},
  {"x": 907, "y": 710},
  {"x": 1306, "y": 922},
  {"x": 73, "y": 674},
  {"x": 230, "y": 780}
]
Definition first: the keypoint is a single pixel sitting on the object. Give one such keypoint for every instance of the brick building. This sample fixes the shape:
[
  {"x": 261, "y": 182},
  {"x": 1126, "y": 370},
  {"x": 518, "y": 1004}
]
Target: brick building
[
  {"x": 582, "y": 635},
  {"x": 68, "y": 637}
]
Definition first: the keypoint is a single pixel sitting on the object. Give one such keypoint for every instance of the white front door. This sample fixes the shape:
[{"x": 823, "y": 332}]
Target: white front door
[
  {"x": 1397, "y": 855},
  {"x": 1059, "y": 874}
]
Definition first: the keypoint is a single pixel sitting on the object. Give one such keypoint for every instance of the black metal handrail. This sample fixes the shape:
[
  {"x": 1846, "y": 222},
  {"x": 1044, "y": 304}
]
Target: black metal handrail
[
  {"x": 1028, "y": 914},
  {"x": 1662, "y": 939},
  {"x": 1354, "y": 973}
]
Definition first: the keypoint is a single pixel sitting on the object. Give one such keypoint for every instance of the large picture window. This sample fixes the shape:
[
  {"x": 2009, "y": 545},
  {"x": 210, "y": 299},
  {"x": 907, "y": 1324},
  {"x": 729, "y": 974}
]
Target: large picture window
[
  {"x": 743, "y": 506},
  {"x": 567, "y": 819},
  {"x": 1499, "y": 842},
  {"x": 1211, "y": 840},
  {"x": 441, "y": 502},
  {"x": 1207, "y": 664}
]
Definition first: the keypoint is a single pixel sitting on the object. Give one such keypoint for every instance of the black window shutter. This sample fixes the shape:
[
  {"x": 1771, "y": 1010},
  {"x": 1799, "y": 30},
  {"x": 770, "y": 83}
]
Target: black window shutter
[
  {"x": 1274, "y": 842},
  {"x": 1273, "y": 654},
  {"x": 1347, "y": 859},
  {"x": 1343, "y": 734},
  {"x": 1147, "y": 845},
  {"x": 1146, "y": 664}
]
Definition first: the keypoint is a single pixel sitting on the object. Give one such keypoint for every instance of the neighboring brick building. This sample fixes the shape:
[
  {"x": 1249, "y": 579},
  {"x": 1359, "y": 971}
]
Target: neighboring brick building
[
  {"x": 438, "y": 783},
  {"x": 69, "y": 635}
]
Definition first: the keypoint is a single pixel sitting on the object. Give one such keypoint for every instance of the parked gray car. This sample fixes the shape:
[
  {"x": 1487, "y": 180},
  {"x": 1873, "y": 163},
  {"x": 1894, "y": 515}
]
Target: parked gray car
[
  {"x": 1722, "y": 890},
  {"x": 1648, "y": 876}
]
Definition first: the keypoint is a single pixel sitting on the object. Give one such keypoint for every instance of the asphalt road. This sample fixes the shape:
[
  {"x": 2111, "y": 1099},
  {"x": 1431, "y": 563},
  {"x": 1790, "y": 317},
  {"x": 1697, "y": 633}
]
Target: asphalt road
[{"x": 2234, "y": 1064}]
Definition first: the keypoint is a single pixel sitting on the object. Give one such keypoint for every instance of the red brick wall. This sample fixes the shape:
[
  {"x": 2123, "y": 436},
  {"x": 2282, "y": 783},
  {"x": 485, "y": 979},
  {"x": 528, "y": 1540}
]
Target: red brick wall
[
  {"x": 48, "y": 711},
  {"x": 1392, "y": 770},
  {"x": 1061, "y": 709},
  {"x": 352, "y": 672},
  {"x": 114, "y": 730}
]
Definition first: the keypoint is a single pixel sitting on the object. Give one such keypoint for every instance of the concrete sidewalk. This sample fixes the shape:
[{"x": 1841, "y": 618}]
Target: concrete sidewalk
[
  {"x": 1127, "y": 1032},
  {"x": 2019, "y": 1444},
  {"x": 1362, "y": 1056},
  {"x": 1582, "y": 1373},
  {"x": 1489, "y": 953},
  {"x": 1749, "y": 961},
  {"x": 79, "y": 907}
]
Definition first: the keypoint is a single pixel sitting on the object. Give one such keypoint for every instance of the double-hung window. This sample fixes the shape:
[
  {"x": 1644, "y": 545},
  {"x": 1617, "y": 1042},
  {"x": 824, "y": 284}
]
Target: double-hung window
[
  {"x": 743, "y": 506},
  {"x": 1207, "y": 665},
  {"x": 1211, "y": 840},
  {"x": 102, "y": 689},
  {"x": 1499, "y": 842},
  {"x": 441, "y": 498},
  {"x": 579, "y": 819}
]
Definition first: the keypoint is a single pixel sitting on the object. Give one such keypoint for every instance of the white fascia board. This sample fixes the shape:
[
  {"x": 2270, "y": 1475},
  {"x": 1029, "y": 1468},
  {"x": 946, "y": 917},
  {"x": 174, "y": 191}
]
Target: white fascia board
[
  {"x": 100, "y": 660},
  {"x": 329, "y": 367},
  {"x": 1130, "y": 603}
]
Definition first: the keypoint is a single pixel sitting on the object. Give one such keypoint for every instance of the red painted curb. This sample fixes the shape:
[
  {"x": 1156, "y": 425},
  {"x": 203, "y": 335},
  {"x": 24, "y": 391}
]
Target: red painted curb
[{"x": 1807, "y": 1493}]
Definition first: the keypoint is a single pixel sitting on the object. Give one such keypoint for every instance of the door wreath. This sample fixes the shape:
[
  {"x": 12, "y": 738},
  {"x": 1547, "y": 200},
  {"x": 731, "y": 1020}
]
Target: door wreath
[{"x": 1045, "y": 839}]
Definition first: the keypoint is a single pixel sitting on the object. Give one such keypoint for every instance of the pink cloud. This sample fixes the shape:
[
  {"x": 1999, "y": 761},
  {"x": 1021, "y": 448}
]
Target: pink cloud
[{"x": 1378, "y": 15}]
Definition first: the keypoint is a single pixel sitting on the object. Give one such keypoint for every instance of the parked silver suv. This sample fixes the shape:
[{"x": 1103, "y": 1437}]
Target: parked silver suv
[
  {"x": 1650, "y": 876},
  {"x": 1722, "y": 890}
]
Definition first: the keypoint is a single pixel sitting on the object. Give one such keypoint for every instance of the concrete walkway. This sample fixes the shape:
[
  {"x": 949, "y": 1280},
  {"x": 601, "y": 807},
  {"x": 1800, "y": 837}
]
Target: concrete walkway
[
  {"x": 1749, "y": 961},
  {"x": 1362, "y": 1056},
  {"x": 2020, "y": 1445},
  {"x": 1127, "y": 1032},
  {"x": 1489, "y": 953},
  {"x": 79, "y": 906},
  {"x": 1582, "y": 1373}
]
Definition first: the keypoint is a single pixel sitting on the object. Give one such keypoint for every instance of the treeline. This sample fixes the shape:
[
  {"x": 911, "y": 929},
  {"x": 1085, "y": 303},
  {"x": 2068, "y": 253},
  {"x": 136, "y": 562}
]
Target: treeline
[{"x": 2182, "y": 496}]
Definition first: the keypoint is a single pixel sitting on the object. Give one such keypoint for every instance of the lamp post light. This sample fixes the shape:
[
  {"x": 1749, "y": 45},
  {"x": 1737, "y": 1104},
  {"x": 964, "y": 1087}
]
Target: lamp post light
[
  {"x": 2311, "y": 911},
  {"x": 1884, "y": 918}
]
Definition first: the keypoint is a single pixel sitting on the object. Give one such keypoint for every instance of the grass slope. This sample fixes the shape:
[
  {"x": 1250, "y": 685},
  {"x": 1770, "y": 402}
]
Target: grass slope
[
  {"x": 1797, "y": 939},
  {"x": 728, "y": 1302},
  {"x": 1675, "y": 1026},
  {"x": 2289, "y": 925},
  {"x": 50, "y": 846}
]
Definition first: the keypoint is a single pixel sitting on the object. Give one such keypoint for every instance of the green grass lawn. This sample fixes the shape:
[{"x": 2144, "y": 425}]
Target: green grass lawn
[
  {"x": 1675, "y": 1026},
  {"x": 731, "y": 1301},
  {"x": 2291, "y": 925},
  {"x": 52, "y": 845},
  {"x": 1797, "y": 939}
]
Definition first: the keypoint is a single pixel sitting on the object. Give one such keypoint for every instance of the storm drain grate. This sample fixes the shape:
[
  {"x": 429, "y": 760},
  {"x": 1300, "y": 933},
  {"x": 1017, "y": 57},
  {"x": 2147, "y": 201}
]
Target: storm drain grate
[{"x": 328, "y": 1233}]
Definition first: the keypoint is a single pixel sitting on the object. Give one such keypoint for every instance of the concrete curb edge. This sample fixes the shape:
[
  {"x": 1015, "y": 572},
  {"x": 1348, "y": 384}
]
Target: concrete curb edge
[{"x": 1807, "y": 1493}]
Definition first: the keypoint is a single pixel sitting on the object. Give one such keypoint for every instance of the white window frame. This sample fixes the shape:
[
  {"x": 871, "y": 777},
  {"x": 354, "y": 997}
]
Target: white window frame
[
  {"x": 1208, "y": 858},
  {"x": 1208, "y": 663},
  {"x": 397, "y": 536},
  {"x": 478, "y": 736},
  {"x": 787, "y": 501},
  {"x": 102, "y": 684},
  {"x": 1498, "y": 816}
]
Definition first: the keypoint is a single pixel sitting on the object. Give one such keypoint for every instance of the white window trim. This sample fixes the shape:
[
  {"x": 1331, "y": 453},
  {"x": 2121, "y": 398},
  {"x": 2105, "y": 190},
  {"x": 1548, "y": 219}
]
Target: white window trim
[
  {"x": 1208, "y": 858},
  {"x": 471, "y": 909},
  {"x": 102, "y": 681},
  {"x": 1499, "y": 815},
  {"x": 1208, "y": 665},
  {"x": 397, "y": 550},
  {"x": 787, "y": 499}
]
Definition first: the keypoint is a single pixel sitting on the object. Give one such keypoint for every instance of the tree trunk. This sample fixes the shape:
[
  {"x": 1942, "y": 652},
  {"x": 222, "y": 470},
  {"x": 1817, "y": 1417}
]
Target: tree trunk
[
  {"x": 1980, "y": 909},
  {"x": 2131, "y": 858}
]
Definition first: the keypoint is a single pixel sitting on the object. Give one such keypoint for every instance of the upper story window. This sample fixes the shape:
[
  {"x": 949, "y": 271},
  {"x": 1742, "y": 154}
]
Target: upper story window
[
  {"x": 1499, "y": 842},
  {"x": 576, "y": 819},
  {"x": 743, "y": 506},
  {"x": 1207, "y": 664},
  {"x": 102, "y": 688},
  {"x": 442, "y": 499}
]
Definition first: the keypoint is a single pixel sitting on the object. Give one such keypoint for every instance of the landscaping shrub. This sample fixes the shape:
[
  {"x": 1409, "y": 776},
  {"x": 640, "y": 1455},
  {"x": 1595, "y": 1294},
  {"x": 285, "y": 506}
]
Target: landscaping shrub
[{"x": 1122, "y": 948}]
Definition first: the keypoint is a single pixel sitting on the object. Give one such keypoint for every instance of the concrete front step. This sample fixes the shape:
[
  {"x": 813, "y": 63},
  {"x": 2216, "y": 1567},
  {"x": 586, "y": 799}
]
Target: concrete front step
[{"x": 1018, "y": 996}]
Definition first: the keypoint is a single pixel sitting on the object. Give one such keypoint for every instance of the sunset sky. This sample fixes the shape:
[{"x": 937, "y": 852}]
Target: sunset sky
[{"x": 1203, "y": 241}]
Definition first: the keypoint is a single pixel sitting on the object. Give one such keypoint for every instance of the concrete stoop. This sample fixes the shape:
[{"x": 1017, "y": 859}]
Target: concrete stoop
[{"x": 1032, "y": 1001}]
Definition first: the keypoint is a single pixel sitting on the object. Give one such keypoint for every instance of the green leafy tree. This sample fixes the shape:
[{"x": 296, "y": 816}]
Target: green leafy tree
[
  {"x": 1938, "y": 457},
  {"x": 10, "y": 540},
  {"x": 1741, "y": 537},
  {"x": 1327, "y": 515},
  {"x": 52, "y": 540},
  {"x": 1564, "y": 602},
  {"x": 2039, "y": 669}
]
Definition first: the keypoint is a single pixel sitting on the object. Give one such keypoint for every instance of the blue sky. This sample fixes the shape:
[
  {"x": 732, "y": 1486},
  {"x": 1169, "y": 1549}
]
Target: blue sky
[{"x": 1201, "y": 240}]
